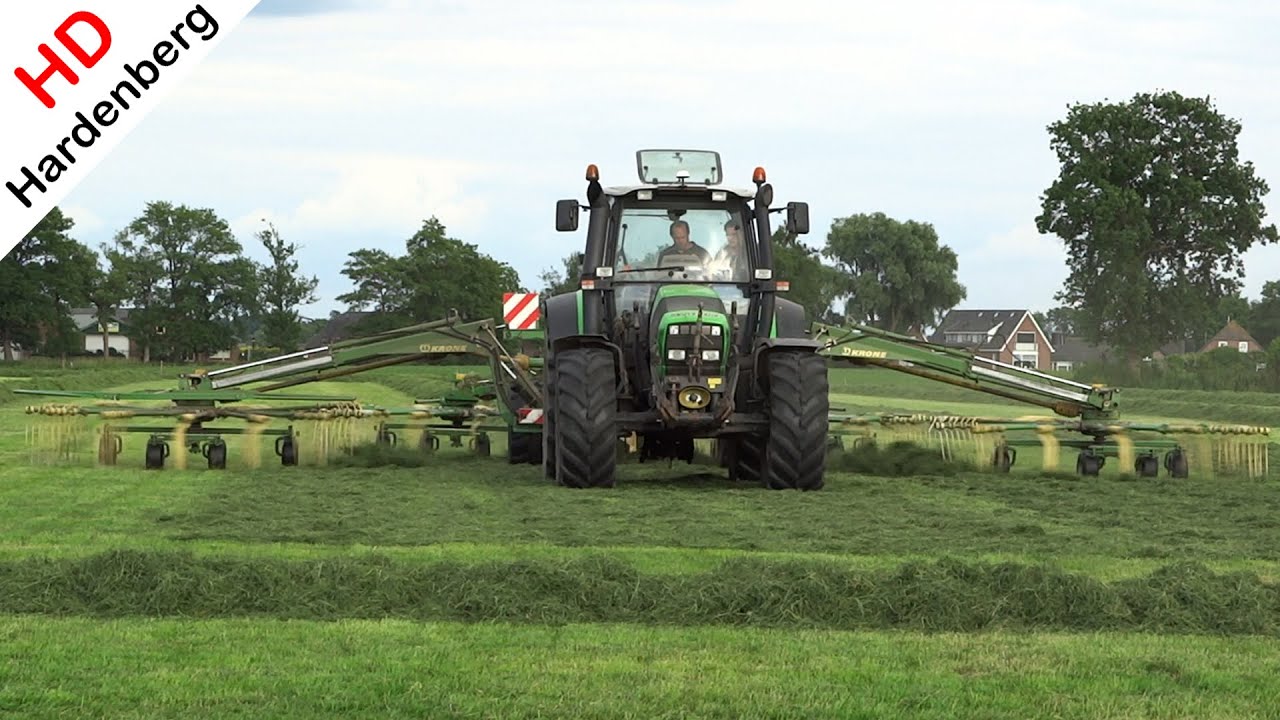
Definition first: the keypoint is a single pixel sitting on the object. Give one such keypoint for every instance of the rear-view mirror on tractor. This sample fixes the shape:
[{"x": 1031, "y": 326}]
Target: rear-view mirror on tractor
[
  {"x": 567, "y": 215},
  {"x": 798, "y": 218}
]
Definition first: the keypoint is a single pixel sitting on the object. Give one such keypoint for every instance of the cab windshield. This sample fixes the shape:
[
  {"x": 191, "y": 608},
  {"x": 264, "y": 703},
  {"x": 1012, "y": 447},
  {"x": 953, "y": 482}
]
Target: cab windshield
[
  {"x": 708, "y": 244},
  {"x": 700, "y": 245}
]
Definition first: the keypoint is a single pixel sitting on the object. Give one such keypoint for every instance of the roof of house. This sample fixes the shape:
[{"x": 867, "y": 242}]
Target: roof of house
[
  {"x": 1231, "y": 332},
  {"x": 339, "y": 327},
  {"x": 998, "y": 325},
  {"x": 87, "y": 320},
  {"x": 1071, "y": 348}
]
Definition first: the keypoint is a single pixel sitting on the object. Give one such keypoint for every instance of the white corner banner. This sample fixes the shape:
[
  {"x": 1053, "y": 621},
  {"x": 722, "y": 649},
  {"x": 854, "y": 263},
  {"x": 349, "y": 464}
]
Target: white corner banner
[{"x": 78, "y": 77}]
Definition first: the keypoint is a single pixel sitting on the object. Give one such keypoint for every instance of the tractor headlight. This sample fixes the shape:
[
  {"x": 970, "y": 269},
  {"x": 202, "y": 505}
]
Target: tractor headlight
[
  {"x": 675, "y": 354},
  {"x": 711, "y": 355}
]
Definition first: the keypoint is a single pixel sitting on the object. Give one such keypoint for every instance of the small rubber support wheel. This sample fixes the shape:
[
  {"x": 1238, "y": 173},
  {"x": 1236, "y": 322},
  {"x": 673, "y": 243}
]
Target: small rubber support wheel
[
  {"x": 1175, "y": 461},
  {"x": 1089, "y": 464},
  {"x": 1147, "y": 466},
  {"x": 157, "y": 450},
  {"x": 287, "y": 448},
  {"x": 1003, "y": 458},
  {"x": 217, "y": 455}
]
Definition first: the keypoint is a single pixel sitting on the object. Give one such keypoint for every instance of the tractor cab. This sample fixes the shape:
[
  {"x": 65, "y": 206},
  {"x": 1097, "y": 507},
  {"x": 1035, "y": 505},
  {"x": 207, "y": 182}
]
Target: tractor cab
[{"x": 679, "y": 225}]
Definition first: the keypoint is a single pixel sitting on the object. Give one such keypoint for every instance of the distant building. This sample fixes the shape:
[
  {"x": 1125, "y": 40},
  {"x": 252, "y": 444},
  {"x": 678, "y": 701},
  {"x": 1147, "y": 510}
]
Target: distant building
[
  {"x": 1234, "y": 336},
  {"x": 1070, "y": 352},
  {"x": 1009, "y": 336},
  {"x": 116, "y": 333}
]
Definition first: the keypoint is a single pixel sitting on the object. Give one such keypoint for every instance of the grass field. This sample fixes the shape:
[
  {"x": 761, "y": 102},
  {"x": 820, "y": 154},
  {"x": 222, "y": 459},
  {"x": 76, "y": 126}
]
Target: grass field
[{"x": 472, "y": 588}]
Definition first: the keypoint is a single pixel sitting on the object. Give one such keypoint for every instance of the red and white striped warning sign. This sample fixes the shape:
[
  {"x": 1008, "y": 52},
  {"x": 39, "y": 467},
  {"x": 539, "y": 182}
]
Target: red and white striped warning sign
[{"x": 520, "y": 310}]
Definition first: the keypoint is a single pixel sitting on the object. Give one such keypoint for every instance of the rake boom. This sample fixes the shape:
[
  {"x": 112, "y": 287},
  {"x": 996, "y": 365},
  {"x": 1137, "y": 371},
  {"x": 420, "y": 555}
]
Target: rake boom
[{"x": 863, "y": 345}]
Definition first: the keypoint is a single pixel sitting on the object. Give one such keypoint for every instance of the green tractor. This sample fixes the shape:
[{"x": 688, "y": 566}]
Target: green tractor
[{"x": 677, "y": 332}]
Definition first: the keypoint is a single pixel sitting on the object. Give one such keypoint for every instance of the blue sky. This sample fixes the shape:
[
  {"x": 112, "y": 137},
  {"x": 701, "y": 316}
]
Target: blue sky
[{"x": 349, "y": 123}]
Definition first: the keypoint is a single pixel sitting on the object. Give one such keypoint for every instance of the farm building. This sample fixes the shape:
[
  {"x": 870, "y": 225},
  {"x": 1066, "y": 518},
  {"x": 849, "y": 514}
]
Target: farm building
[
  {"x": 1234, "y": 336},
  {"x": 1009, "y": 336}
]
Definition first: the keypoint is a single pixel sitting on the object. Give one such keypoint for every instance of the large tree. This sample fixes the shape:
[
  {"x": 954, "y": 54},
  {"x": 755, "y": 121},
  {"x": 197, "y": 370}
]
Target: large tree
[
  {"x": 40, "y": 279},
  {"x": 436, "y": 275},
  {"x": 1264, "y": 315},
  {"x": 813, "y": 283},
  {"x": 281, "y": 290},
  {"x": 1155, "y": 208},
  {"x": 895, "y": 274},
  {"x": 1061, "y": 319},
  {"x": 188, "y": 276}
]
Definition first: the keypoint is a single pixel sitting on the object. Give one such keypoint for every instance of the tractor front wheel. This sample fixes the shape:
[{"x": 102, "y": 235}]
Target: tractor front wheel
[
  {"x": 586, "y": 427},
  {"x": 795, "y": 454},
  {"x": 745, "y": 457}
]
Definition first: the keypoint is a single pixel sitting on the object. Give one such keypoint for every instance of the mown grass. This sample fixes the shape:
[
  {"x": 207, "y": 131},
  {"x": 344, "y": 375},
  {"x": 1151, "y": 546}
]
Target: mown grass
[
  {"x": 947, "y": 595},
  {"x": 892, "y": 546},
  {"x": 402, "y": 669},
  {"x": 85, "y": 375},
  {"x": 1094, "y": 525}
]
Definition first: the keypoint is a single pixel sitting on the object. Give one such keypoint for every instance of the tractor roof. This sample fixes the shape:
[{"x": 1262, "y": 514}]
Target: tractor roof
[{"x": 619, "y": 190}]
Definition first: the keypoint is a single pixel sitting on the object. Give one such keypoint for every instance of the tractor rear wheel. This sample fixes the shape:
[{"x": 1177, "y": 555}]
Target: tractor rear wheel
[
  {"x": 586, "y": 427},
  {"x": 795, "y": 454}
]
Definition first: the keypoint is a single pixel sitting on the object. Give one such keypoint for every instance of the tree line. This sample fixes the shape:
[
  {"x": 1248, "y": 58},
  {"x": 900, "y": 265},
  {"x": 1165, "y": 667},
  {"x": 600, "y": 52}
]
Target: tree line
[
  {"x": 1152, "y": 202},
  {"x": 191, "y": 291},
  {"x": 180, "y": 270}
]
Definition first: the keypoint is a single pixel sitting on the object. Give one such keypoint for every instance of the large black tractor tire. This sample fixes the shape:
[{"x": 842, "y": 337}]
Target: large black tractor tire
[
  {"x": 795, "y": 454},
  {"x": 586, "y": 427},
  {"x": 549, "y": 430},
  {"x": 746, "y": 461},
  {"x": 519, "y": 449}
]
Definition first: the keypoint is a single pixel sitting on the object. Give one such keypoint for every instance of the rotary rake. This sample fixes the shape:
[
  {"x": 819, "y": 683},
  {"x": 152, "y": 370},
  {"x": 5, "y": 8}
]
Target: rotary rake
[
  {"x": 1086, "y": 420},
  {"x": 209, "y": 412}
]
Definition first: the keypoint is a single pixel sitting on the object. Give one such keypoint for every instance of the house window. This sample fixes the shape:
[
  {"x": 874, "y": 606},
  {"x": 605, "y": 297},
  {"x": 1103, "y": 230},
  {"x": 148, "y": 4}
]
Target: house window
[
  {"x": 1244, "y": 346},
  {"x": 1222, "y": 343},
  {"x": 1026, "y": 338}
]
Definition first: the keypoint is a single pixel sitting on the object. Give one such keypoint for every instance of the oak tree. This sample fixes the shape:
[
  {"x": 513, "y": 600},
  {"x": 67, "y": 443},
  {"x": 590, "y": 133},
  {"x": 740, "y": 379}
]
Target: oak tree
[{"x": 1155, "y": 208}]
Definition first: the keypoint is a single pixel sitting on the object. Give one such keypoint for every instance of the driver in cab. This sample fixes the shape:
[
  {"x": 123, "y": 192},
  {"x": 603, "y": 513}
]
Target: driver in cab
[{"x": 682, "y": 251}]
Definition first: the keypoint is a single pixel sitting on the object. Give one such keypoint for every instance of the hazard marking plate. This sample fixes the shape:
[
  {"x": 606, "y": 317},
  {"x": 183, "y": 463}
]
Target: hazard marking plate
[{"x": 520, "y": 310}]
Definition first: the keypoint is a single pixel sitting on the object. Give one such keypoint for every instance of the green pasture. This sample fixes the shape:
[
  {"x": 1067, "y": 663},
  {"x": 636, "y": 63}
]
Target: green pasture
[{"x": 468, "y": 587}]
